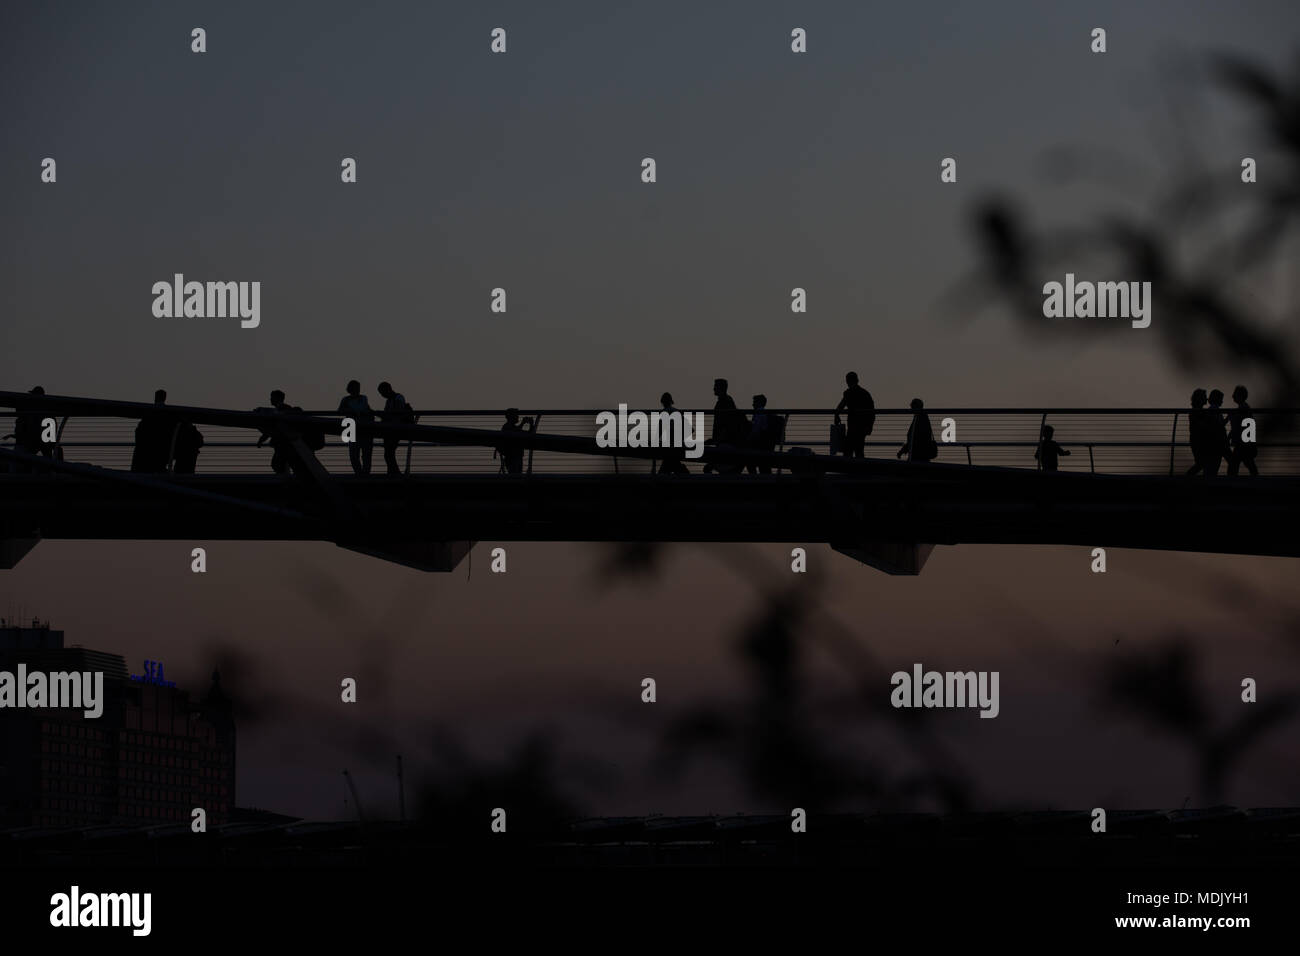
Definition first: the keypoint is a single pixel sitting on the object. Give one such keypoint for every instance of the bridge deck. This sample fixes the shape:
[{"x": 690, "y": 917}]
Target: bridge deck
[{"x": 912, "y": 503}]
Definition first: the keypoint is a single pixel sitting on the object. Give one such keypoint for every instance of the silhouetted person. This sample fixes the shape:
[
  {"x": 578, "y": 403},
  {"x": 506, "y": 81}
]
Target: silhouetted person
[
  {"x": 187, "y": 444},
  {"x": 28, "y": 430},
  {"x": 355, "y": 406},
  {"x": 862, "y": 416},
  {"x": 1216, "y": 439},
  {"x": 762, "y": 433},
  {"x": 1048, "y": 450},
  {"x": 920, "y": 444},
  {"x": 1241, "y": 452},
  {"x": 729, "y": 424},
  {"x": 512, "y": 456},
  {"x": 153, "y": 437},
  {"x": 672, "y": 461},
  {"x": 1196, "y": 430},
  {"x": 281, "y": 456},
  {"x": 28, "y": 433},
  {"x": 396, "y": 412},
  {"x": 1205, "y": 429}
]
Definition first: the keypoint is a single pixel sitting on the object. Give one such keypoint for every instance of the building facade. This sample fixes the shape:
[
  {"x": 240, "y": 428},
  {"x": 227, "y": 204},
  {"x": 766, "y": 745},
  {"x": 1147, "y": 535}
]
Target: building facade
[{"x": 151, "y": 757}]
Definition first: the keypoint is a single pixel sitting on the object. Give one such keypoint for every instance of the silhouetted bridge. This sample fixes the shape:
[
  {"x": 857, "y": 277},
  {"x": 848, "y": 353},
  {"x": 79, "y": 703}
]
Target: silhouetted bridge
[{"x": 1122, "y": 487}]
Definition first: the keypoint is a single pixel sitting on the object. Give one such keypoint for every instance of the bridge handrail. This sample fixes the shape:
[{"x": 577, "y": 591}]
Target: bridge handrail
[
  {"x": 88, "y": 407},
  {"x": 438, "y": 428}
]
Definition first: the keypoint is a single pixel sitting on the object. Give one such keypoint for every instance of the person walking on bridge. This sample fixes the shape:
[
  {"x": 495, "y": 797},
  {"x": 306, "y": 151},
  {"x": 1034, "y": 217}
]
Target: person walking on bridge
[
  {"x": 1049, "y": 451},
  {"x": 280, "y": 452},
  {"x": 153, "y": 437},
  {"x": 672, "y": 463},
  {"x": 730, "y": 426},
  {"x": 1199, "y": 423},
  {"x": 920, "y": 444},
  {"x": 362, "y": 449},
  {"x": 1242, "y": 452},
  {"x": 862, "y": 416},
  {"x": 28, "y": 432},
  {"x": 1216, "y": 439},
  {"x": 764, "y": 430},
  {"x": 187, "y": 444}
]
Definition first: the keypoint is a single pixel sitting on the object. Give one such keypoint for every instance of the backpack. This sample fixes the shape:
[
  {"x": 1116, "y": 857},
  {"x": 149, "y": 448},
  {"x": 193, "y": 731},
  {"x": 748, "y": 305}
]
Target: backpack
[
  {"x": 869, "y": 419},
  {"x": 404, "y": 415},
  {"x": 189, "y": 436},
  {"x": 838, "y": 438},
  {"x": 930, "y": 451},
  {"x": 776, "y": 429}
]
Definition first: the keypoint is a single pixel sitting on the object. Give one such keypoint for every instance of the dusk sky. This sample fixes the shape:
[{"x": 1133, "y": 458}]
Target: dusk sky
[{"x": 522, "y": 171}]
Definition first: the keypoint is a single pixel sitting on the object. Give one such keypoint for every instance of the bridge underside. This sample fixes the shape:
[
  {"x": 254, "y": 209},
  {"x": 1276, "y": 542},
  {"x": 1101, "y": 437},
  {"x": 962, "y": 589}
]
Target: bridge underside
[{"x": 889, "y": 520}]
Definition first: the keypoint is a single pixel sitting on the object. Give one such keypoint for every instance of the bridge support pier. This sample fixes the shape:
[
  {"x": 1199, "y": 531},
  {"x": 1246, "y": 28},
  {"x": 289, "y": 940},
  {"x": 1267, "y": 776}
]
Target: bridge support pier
[
  {"x": 421, "y": 555},
  {"x": 892, "y": 557},
  {"x": 13, "y": 550}
]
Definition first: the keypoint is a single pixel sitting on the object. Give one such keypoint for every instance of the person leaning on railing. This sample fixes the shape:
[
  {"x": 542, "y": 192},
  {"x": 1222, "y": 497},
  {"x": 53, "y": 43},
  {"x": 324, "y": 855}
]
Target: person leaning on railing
[{"x": 397, "y": 411}]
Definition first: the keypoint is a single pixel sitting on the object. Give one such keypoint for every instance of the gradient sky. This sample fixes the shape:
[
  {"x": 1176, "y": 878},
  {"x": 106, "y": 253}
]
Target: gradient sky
[{"x": 523, "y": 171}]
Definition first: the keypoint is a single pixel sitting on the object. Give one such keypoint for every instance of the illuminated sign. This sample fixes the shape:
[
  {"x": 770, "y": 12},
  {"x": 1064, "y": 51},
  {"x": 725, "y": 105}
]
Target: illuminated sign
[{"x": 153, "y": 674}]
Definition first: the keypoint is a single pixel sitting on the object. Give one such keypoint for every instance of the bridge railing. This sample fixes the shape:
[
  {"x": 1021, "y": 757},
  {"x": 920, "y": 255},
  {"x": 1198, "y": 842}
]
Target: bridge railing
[{"x": 1100, "y": 441}]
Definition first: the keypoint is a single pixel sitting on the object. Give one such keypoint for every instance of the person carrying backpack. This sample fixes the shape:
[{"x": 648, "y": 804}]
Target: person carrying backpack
[
  {"x": 920, "y": 444},
  {"x": 188, "y": 442}
]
